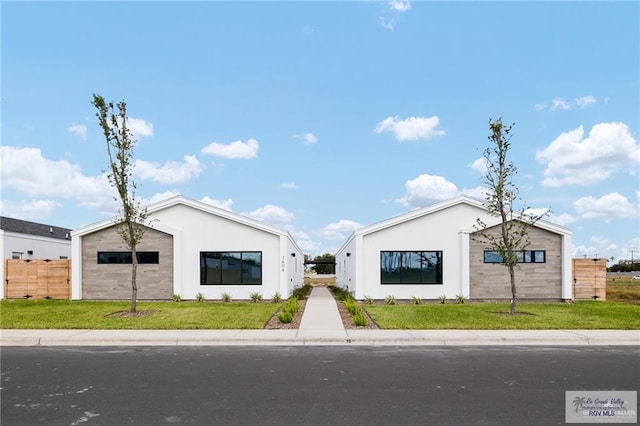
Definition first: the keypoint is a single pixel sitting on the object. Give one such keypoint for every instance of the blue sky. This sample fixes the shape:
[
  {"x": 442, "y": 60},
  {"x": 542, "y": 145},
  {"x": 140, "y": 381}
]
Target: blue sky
[{"x": 320, "y": 117}]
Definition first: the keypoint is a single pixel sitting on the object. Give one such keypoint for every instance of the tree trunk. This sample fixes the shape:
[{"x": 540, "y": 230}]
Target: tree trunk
[
  {"x": 134, "y": 285},
  {"x": 514, "y": 298}
]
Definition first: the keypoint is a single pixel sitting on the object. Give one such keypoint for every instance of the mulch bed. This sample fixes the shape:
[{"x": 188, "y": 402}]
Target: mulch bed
[{"x": 129, "y": 314}]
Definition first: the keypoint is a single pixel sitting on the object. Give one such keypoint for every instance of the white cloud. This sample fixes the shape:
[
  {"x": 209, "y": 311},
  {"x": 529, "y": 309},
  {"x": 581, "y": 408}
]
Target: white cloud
[
  {"x": 537, "y": 212},
  {"x": 412, "y": 128},
  {"x": 392, "y": 12},
  {"x": 160, "y": 196},
  {"x": 28, "y": 209},
  {"x": 171, "y": 172},
  {"x": 480, "y": 165},
  {"x": 572, "y": 160},
  {"x": 540, "y": 107},
  {"x": 27, "y": 171},
  {"x": 289, "y": 185},
  {"x": 139, "y": 128},
  {"x": 234, "y": 150},
  {"x": 271, "y": 214},
  {"x": 308, "y": 138},
  {"x": 607, "y": 207},
  {"x": 479, "y": 193},
  {"x": 586, "y": 101},
  {"x": 583, "y": 251},
  {"x": 400, "y": 5},
  {"x": 79, "y": 129},
  {"x": 426, "y": 189},
  {"x": 562, "y": 219},
  {"x": 222, "y": 204},
  {"x": 559, "y": 103},
  {"x": 340, "y": 230}
]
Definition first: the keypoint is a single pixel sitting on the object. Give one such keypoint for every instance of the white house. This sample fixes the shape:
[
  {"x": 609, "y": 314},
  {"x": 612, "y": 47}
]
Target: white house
[
  {"x": 189, "y": 248},
  {"x": 435, "y": 251},
  {"x": 21, "y": 239}
]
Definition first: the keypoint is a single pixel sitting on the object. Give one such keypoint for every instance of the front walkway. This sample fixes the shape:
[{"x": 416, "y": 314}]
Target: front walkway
[{"x": 321, "y": 317}]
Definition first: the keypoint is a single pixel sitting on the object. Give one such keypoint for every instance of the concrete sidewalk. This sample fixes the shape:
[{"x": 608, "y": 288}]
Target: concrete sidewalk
[
  {"x": 319, "y": 337},
  {"x": 321, "y": 325}
]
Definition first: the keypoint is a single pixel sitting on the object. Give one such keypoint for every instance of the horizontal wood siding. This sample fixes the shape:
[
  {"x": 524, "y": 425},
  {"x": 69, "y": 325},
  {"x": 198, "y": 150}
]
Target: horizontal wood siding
[
  {"x": 589, "y": 278},
  {"x": 533, "y": 280},
  {"x": 37, "y": 279},
  {"x": 113, "y": 281}
]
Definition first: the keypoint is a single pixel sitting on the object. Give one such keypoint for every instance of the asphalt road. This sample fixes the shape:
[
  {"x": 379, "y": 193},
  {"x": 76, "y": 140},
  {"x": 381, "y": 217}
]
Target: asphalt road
[{"x": 77, "y": 386}]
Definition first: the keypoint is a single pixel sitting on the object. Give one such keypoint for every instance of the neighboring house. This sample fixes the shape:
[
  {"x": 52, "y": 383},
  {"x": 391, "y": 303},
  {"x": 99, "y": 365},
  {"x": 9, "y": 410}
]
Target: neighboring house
[
  {"x": 21, "y": 239},
  {"x": 189, "y": 248},
  {"x": 436, "y": 251}
]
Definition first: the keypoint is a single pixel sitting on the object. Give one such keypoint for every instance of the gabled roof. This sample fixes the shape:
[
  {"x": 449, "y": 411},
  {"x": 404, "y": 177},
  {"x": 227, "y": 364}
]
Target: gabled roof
[
  {"x": 19, "y": 226},
  {"x": 423, "y": 211},
  {"x": 442, "y": 205},
  {"x": 182, "y": 200}
]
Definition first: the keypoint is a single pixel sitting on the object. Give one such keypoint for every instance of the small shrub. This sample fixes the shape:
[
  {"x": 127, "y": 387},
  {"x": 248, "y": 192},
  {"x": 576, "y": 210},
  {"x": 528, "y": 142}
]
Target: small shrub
[
  {"x": 226, "y": 297},
  {"x": 302, "y": 292},
  {"x": 341, "y": 293},
  {"x": 390, "y": 300},
  {"x": 176, "y": 298},
  {"x": 200, "y": 297},
  {"x": 460, "y": 299},
  {"x": 416, "y": 300},
  {"x": 256, "y": 297},
  {"x": 291, "y": 306},
  {"x": 443, "y": 299},
  {"x": 368, "y": 300},
  {"x": 277, "y": 298},
  {"x": 285, "y": 317},
  {"x": 359, "y": 319},
  {"x": 352, "y": 306}
]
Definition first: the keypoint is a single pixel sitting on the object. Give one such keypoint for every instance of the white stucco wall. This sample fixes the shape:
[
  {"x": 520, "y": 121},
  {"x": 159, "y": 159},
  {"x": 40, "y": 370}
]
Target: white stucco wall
[
  {"x": 196, "y": 228},
  {"x": 202, "y": 231},
  {"x": 443, "y": 229},
  {"x": 437, "y": 231}
]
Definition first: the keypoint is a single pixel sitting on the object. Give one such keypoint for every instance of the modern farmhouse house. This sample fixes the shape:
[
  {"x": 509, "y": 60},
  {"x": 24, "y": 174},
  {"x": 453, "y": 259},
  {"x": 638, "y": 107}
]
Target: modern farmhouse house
[
  {"x": 436, "y": 251},
  {"x": 189, "y": 248}
]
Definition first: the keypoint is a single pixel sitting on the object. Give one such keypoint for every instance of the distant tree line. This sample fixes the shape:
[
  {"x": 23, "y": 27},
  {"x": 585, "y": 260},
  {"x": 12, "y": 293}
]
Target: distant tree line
[
  {"x": 625, "y": 266},
  {"x": 324, "y": 268}
]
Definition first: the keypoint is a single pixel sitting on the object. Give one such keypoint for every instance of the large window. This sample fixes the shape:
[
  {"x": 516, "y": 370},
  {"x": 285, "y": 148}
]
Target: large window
[
  {"x": 524, "y": 256},
  {"x": 148, "y": 257},
  {"x": 231, "y": 268},
  {"x": 411, "y": 267}
]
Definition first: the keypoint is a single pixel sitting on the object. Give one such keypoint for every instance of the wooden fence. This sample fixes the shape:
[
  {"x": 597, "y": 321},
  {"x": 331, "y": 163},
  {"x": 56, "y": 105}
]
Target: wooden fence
[
  {"x": 37, "y": 279},
  {"x": 589, "y": 279}
]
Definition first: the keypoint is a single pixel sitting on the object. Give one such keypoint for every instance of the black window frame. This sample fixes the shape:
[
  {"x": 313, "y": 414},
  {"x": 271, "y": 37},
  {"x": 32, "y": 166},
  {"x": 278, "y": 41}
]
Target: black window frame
[
  {"x": 405, "y": 274},
  {"x": 125, "y": 258},
  {"x": 207, "y": 279},
  {"x": 524, "y": 256}
]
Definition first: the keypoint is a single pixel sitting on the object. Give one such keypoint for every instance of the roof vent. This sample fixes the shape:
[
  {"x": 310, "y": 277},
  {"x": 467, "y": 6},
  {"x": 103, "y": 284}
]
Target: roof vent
[{"x": 51, "y": 229}]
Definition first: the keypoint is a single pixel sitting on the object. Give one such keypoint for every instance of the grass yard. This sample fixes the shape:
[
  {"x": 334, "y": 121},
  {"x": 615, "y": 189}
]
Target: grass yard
[
  {"x": 623, "y": 289},
  {"x": 495, "y": 316},
  {"x": 65, "y": 314}
]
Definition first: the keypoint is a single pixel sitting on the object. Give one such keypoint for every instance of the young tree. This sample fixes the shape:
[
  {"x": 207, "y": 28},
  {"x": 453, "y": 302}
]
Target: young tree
[
  {"x": 501, "y": 194},
  {"x": 120, "y": 143}
]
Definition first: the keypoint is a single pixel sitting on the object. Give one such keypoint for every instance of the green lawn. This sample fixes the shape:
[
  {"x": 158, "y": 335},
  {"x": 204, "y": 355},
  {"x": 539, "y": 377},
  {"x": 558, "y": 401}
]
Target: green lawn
[
  {"x": 488, "y": 316},
  {"x": 65, "y": 314},
  {"x": 623, "y": 289}
]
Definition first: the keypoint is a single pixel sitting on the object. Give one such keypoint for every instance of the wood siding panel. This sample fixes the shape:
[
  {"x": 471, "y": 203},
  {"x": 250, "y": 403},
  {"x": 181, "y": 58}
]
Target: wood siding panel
[
  {"x": 38, "y": 279},
  {"x": 113, "y": 281},
  {"x": 533, "y": 280},
  {"x": 589, "y": 278}
]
